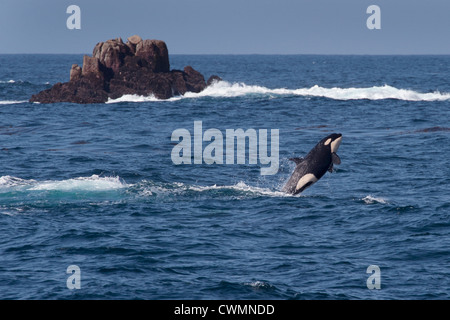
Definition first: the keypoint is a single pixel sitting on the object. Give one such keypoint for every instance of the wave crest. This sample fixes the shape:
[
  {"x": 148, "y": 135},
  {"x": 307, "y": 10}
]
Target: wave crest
[
  {"x": 12, "y": 101},
  {"x": 224, "y": 89}
]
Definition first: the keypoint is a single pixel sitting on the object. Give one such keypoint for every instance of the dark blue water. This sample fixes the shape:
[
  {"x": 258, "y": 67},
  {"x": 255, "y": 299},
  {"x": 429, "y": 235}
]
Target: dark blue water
[{"x": 95, "y": 185}]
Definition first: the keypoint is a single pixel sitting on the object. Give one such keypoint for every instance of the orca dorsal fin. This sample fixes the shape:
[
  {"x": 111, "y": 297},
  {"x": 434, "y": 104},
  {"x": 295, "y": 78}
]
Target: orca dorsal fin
[
  {"x": 335, "y": 158},
  {"x": 297, "y": 160}
]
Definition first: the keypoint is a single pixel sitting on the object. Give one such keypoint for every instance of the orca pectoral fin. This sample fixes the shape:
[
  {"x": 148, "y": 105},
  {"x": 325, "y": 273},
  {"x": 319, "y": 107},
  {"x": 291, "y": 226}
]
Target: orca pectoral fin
[
  {"x": 335, "y": 158},
  {"x": 330, "y": 169},
  {"x": 297, "y": 160}
]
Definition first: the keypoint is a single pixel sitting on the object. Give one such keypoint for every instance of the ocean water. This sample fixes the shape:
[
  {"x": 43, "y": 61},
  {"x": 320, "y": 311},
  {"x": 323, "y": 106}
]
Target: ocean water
[{"x": 95, "y": 186}]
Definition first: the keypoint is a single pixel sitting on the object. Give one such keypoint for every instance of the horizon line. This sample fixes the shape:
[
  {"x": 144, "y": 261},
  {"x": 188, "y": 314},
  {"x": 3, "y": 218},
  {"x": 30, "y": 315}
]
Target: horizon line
[{"x": 252, "y": 54}]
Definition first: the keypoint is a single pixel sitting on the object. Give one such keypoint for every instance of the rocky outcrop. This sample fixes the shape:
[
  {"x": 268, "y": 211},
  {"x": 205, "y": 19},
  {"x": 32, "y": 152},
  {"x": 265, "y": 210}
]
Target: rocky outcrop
[
  {"x": 75, "y": 72},
  {"x": 116, "y": 68},
  {"x": 212, "y": 80}
]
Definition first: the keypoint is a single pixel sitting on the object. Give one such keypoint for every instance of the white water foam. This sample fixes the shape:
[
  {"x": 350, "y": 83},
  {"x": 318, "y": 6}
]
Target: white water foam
[
  {"x": 224, "y": 89},
  {"x": 12, "y": 101},
  {"x": 258, "y": 284},
  {"x": 10, "y": 182},
  {"x": 243, "y": 187},
  {"x": 7, "y": 81},
  {"x": 181, "y": 188},
  {"x": 372, "y": 93},
  {"x": 144, "y": 188},
  {"x": 231, "y": 90},
  {"x": 133, "y": 98},
  {"x": 93, "y": 183},
  {"x": 19, "y": 82},
  {"x": 371, "y": 200}
]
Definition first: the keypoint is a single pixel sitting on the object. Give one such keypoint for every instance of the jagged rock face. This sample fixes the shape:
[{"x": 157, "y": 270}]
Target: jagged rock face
[
  {"x": 137, "y": 67},
  {"x": 78, "y": 91},
  {"x": 134, "y": 40},
  {"x": 92, "y": 68},
  {"x": 132, "y": 43},
  {"x": 75, "y": 72},
  {"x": 212, "y": 80},
  {"x": 155, "y": 53},
  {"x": 111, "y": 53},
  {"x": 195, "y": 81}
]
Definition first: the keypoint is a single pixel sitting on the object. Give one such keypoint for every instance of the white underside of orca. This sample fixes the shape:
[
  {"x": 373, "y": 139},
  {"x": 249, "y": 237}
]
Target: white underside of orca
[
  {"x": 306, "y": 179},
  {"x": 335, "y": 145}
]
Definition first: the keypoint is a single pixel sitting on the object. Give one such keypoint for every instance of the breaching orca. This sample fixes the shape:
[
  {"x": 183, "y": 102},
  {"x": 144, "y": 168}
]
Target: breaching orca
[{"x": 318, "y": 161}]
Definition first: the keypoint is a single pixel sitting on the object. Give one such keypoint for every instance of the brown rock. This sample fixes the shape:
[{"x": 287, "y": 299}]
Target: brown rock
[
  {"x": 179, "y": 83},
  {"x": 132, "y": 42},
  {"x": 134, "y": 39},
  {"x": 213, "y": 79},
  {"x": 139, "y": 67},
  {"x": 75, "y": 72},
  {"x": 195, "y": 81},
  {"x": 92, "y": 68},
  {"x": 111, "y": 53},
  {"x": 79, "y": 91},
  {"x": 154, "y": 53}
]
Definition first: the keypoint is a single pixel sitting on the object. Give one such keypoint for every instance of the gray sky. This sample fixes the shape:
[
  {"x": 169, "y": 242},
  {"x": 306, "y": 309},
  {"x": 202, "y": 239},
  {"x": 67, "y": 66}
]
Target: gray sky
[{"x": 230, "y": 26}]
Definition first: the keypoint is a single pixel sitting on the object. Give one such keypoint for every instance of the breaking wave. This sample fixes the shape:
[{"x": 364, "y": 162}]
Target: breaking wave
[
  {"x": 7, "y": 81},
  {"x": 372, "y": 93},
  {"x": 12, "y": 101},
  {"x": 92, "y": 183},
  {"x": 224, "y": 89},
  {"x": 136, "y": 98},
  {"x": 371, "y": 200}
]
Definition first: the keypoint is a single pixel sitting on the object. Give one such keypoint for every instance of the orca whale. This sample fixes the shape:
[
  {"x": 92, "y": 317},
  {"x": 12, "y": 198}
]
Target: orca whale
[{"x": 317, "y": 162}]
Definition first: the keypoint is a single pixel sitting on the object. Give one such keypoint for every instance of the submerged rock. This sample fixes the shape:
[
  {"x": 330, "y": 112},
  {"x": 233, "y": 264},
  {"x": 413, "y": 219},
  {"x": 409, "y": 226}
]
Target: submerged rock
[{"x": 116, "y": 68}]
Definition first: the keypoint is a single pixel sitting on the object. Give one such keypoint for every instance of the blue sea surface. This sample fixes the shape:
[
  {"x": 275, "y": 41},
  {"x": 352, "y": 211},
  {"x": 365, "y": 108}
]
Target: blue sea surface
[{"x": 95, "y": 185}]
